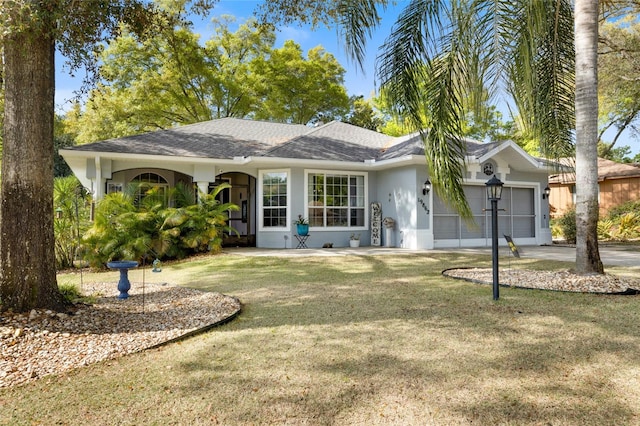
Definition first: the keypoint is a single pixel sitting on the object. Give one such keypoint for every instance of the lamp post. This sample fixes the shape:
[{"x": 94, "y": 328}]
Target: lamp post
[{"x": 494, "y": 193}]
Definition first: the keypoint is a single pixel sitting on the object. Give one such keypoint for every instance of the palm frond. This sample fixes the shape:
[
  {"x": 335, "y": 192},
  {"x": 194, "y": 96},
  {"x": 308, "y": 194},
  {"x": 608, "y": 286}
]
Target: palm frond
[
  {"x": 541, "y": 72},
  {"x": 357, "y": 19}
]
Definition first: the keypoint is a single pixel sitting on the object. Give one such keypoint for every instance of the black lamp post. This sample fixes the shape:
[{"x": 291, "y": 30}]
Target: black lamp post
[{"x": 494, "y": 193}]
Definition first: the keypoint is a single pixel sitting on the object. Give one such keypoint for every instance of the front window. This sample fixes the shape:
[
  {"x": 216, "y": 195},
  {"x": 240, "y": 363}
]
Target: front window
[
  {"x": 275, "y": 199},
  {"x": 336, "y": 200},
  {"x": 147, "y": 181}
]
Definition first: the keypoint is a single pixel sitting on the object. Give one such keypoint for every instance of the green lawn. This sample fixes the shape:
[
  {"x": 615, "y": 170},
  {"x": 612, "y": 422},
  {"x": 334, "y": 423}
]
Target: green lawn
[{"x": 363, "y": 340}]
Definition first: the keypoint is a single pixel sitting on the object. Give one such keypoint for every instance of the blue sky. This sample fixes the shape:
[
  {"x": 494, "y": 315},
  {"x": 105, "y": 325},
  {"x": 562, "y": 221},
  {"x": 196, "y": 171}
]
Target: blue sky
[{"x": 357, "y": 82}]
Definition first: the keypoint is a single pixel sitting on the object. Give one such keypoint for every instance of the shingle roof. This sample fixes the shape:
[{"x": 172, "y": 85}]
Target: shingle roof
[
  {"x": 333, "y": 141},
  {"x": 607, "y": 169},
  {"x": 223, "y": 138},
  {"x": 227, "y": 138}
]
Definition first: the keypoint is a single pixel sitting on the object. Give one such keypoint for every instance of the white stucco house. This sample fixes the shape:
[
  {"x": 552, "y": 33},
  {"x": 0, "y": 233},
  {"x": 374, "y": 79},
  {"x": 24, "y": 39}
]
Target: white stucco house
[{"x": 332, "y": 174}]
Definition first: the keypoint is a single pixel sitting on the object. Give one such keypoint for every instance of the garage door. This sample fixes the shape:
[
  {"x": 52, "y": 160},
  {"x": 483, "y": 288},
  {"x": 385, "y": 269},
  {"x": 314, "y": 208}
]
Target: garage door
[{"x": 517, "y": 219}]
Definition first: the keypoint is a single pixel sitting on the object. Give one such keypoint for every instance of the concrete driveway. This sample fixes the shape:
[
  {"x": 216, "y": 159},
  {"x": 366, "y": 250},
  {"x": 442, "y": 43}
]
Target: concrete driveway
[{"x": 612, "y": 255}]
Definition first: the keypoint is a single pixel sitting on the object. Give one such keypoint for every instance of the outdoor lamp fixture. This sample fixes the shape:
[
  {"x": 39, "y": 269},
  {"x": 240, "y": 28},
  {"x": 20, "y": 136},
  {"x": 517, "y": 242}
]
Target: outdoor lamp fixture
[
  {"x": 59, "y": 213},
  {"x": 426, "y": 187},
  {"x": 546, "y": 192},
  {"x": 494, "y": 193}
]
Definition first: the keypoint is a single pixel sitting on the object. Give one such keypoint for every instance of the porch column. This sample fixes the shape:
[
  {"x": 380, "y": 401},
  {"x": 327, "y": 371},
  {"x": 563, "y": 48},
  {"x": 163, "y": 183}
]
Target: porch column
[
  {"x": 202, "y": 175},
  {"x": 100, "y": 181},
  {"x": 202, "y": 187}
]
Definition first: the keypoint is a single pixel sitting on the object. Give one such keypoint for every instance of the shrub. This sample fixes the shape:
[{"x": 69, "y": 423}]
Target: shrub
[
  {"x": 606, "y": 229},
  {"x": 556, "y": 229},
  {"x": 567, "y": 223},
  {"x": 622, "y": 209},
  {"x": 628, "y": 226},
  {"x": 71, "y": 218},
  {"x": 72, "y": 294},
  {"x": 123, "y": 230}
]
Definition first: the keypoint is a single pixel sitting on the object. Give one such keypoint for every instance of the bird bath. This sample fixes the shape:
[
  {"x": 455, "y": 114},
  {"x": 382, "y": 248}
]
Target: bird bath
[{"x": 123, "y": 266}]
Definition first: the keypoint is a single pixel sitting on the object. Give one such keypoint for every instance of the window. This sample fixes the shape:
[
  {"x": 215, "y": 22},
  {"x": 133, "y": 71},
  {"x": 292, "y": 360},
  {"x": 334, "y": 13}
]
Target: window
[
  {"x": 148, "y": 181},
  {"x": 275, "y": 199},
  {"x": 336, "y": 200},
  {"x": 114, "y": 187}
]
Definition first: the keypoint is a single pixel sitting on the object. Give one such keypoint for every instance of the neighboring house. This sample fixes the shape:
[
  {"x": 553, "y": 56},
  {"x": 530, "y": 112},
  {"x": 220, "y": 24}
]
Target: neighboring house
[
  {"x": 617, "y": 184},
  {"x": 333, "y": 174}
]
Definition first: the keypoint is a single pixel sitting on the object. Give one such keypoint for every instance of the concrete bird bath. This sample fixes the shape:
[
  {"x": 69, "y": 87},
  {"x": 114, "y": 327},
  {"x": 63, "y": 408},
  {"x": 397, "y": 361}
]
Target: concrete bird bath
[{"x": 123, "y": 266}]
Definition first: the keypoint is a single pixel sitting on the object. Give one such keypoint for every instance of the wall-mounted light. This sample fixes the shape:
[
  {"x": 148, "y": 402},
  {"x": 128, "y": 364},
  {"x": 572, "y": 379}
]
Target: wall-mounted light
[
  {"x": 546, "y": 192},
  {"x": 426, "y": 187}
]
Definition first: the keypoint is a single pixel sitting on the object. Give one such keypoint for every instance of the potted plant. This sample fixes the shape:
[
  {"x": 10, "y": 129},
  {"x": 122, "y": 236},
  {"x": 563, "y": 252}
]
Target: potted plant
[
  {"x": 354, "y": 240},
  {"x": 302, "y": 225}
]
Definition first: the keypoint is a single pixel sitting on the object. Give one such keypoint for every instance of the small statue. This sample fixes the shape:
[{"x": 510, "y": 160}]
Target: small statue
[{"x": 156, "y": 266}]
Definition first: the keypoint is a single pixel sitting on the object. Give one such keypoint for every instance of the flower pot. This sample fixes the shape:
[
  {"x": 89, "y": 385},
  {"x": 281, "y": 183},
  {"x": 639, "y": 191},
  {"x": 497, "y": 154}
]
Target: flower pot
[
  {"x": 302, "y": 229},
  {"x": 354, "y": 243}
]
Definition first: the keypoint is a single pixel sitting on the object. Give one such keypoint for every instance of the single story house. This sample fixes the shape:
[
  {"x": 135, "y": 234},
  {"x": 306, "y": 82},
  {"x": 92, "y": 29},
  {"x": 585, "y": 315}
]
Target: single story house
[
  {"x": 344, "y": 179},
  {"x": 617, "y": 184}
]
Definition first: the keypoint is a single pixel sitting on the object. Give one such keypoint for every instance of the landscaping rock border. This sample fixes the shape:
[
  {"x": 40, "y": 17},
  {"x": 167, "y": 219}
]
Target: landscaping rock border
[
  {"x": 41, "y": 343},
  {"x": 567, "y": 281}
]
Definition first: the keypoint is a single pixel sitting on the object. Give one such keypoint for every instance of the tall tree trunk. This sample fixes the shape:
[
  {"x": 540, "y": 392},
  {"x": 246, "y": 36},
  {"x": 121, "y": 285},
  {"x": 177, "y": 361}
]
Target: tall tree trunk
[
  {"x": 27, "y": 260},
  {"x": 587, "y": 210}
]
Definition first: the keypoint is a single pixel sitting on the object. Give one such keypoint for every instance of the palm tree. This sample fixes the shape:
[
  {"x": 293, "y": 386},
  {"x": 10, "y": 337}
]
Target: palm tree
[
  {"x": 462, "y": 52},
  {"x": 586, "y": 22}
]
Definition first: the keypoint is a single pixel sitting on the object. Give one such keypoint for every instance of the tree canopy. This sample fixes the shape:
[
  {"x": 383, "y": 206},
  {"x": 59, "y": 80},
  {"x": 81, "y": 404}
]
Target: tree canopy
[
  {"x": 172, "y": 78},
  {"x": 619, "y": 89},
  {"x": 299, "y": 90}
]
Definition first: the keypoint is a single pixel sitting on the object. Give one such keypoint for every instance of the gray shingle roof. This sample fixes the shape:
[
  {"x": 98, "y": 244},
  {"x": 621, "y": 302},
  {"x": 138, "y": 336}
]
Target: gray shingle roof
[
  {"x": 333, "y": 141},
  {"x": 223, "y": 138},
  {"x": 227, "y": 138}
]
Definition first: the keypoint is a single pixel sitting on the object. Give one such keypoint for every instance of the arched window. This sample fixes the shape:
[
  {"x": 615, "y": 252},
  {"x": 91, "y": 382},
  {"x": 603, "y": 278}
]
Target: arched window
[{"x": 146, "y": 181}]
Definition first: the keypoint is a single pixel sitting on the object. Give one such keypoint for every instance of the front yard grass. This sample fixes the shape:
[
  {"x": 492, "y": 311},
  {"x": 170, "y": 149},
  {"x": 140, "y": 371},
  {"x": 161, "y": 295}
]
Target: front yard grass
[{"x": 363, "y": 340}]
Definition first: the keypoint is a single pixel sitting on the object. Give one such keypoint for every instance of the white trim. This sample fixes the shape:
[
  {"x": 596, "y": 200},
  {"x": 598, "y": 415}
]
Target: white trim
[
  {"x": 369, "y": 164},
  {"x": 260, "y": 194},
  {"x": 510, "y": 144},
  {"x": 349, "y": 173}
]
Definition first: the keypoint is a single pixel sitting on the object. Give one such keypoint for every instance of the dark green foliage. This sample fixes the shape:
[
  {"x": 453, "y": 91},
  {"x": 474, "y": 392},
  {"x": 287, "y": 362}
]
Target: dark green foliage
[
  {"x": 363, "y": 115},
  {"x": 567, "y": 223},
  {"x": 158, "y": 227},
  {"x": 622, "y": 209},
  {"x": 70, "y": 292}
]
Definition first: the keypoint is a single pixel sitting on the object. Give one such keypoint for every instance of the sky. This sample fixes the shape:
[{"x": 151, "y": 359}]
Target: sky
[{"x": 357, "y": 81}]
